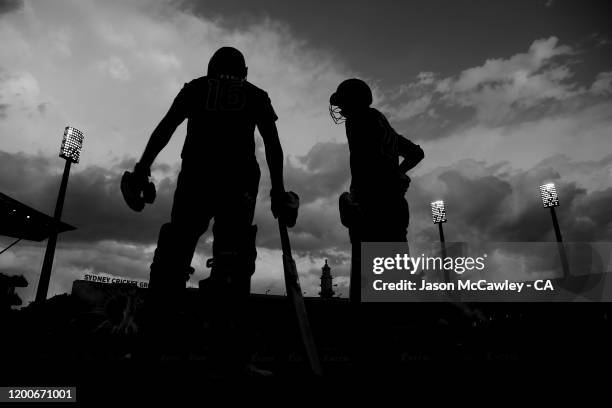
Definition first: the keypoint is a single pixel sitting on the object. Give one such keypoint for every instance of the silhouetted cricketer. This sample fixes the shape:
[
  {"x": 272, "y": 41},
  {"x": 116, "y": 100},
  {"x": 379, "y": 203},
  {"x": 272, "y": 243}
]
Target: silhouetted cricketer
[
  {"x": 219, "y": 179},
  {"x": 375, "y": 209}
]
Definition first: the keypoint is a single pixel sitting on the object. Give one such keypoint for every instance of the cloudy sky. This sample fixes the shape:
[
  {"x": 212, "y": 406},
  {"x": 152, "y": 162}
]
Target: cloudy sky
[{"x": 502, "y": 96}]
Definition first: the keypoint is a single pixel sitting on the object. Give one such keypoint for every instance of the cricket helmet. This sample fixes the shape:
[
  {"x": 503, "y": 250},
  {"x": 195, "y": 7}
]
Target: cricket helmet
[
  {"x": 227, "y": 62},
  {"x": 351, "y": 93}
]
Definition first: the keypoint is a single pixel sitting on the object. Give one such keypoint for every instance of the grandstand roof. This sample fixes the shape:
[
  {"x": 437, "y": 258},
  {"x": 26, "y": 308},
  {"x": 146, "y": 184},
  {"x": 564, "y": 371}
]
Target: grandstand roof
[{"x": 18, "y": 220}]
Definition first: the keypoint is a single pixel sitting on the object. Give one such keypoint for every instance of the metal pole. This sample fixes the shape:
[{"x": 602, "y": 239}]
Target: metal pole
[
  {"x": 560, "y": 246},
  {"x": 45, "y": 273},
  {"x": 443, "y": 250}
]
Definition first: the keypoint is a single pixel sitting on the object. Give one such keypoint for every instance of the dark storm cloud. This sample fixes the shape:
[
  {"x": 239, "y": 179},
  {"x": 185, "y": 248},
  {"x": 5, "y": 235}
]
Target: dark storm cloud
[
  {"x": 95, "y": 206},
  {"x": 532, "y": 223},
  {"x": 93, "y": 201},
  {"x": 326, "y": 171},
  {"x": 593, "y": 218},
  {"x": 484, "y": 203},
  {"x": 390, "y": 40},
  {"x": 481, "y": 199},
  {"x": 318, "y": 177},
  {"x": 321, "y": 172},
  {"x": 7, "y": 6}
]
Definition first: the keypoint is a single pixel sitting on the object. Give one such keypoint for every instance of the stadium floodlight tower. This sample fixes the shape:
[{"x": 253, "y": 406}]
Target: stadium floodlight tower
[
  {"x": 438, "y": 216},
  {"x": 70, "y": 151},
  {"x": 550, "y": 199}
]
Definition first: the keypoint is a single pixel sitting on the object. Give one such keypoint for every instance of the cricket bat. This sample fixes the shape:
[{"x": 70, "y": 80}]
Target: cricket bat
[{"x": 294, "y": 293}]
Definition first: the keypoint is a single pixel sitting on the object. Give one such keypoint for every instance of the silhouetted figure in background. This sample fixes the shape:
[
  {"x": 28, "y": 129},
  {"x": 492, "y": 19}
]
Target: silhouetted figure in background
[
  {"x": 219, "y": 179},
  {"x": 375, "y": 209},
  {"x": 8, "y": 297}
]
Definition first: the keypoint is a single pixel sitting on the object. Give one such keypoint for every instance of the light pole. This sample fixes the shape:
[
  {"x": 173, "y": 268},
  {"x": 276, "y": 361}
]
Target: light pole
[
  {"x": 550, "y": 199},
  {"x": 438, "y": 216},
  {"x": 70, "y": 150}
]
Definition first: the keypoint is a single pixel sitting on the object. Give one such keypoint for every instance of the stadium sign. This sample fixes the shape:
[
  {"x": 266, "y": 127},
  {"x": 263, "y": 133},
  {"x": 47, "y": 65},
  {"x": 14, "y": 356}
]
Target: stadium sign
[{"x": 109, "y": 279}]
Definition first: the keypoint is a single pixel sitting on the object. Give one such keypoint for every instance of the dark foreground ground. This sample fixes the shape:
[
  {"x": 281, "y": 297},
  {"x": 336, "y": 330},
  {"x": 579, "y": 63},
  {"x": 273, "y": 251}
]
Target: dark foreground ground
[{"x": 91, "y": 339}]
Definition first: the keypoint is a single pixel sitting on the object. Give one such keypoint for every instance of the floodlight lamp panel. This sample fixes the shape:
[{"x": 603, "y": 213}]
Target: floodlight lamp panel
[
  {"x": 438, "y": 212},
  {"x": 549, "y": 195},
  {"x": 72, "y": 143}
]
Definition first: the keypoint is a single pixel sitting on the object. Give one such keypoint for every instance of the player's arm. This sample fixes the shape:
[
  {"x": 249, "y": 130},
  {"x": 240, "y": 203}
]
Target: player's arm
[
  {"x": 412, "y": 154},
  {"x": 274, "y": 153},
  {"x": 164, "y": 130}
]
